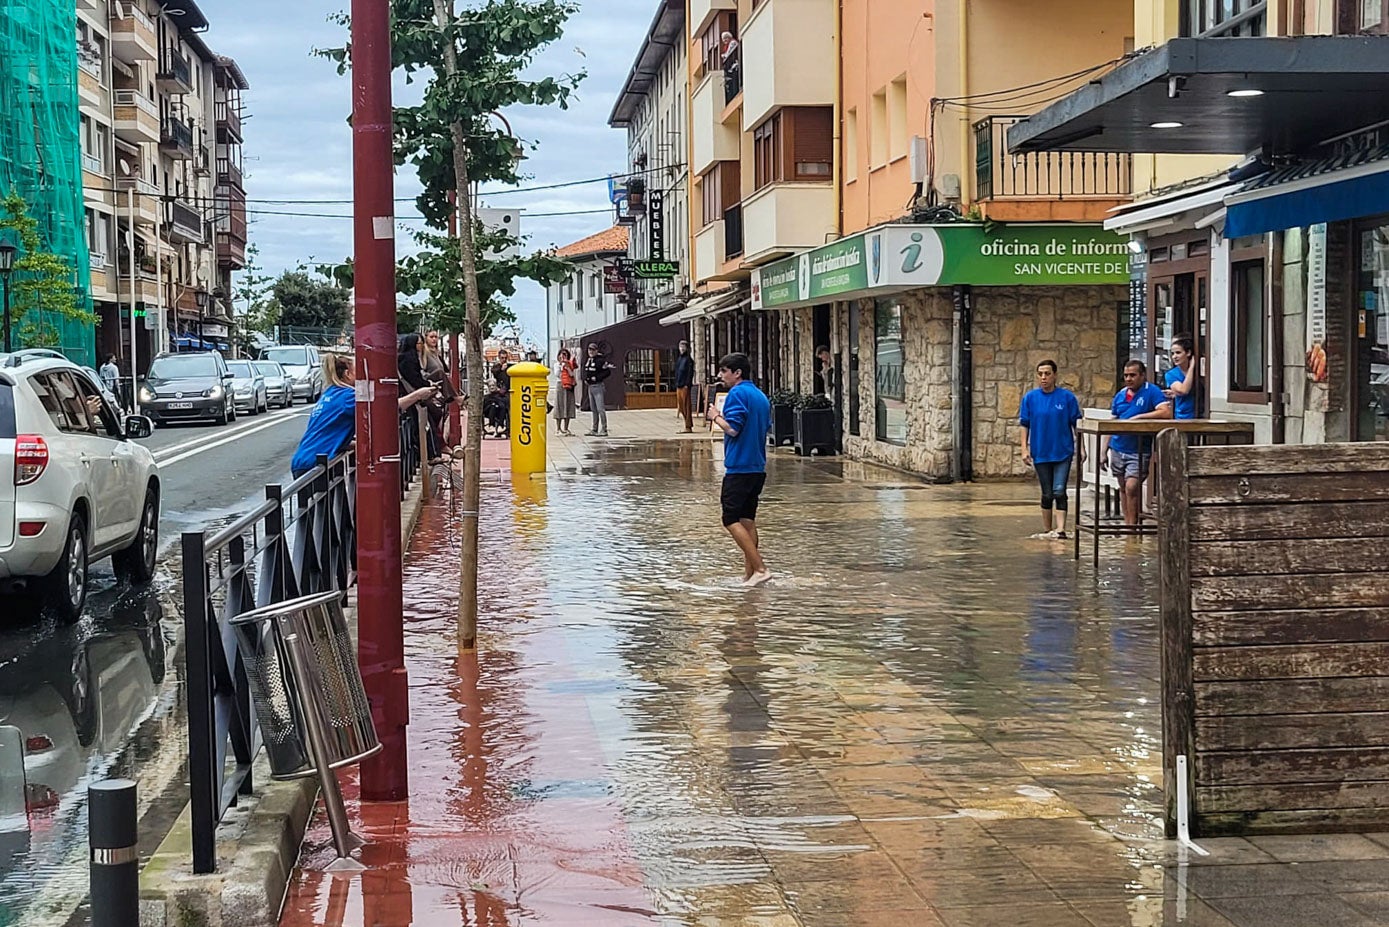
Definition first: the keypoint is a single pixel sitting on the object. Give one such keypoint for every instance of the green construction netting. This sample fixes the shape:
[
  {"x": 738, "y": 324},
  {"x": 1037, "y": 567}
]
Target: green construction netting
[{"x": 40, "y": 152}]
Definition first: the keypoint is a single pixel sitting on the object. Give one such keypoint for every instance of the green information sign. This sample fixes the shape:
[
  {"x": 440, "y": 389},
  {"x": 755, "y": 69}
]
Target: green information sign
[
  {"x": 656, "y": 270},
  {"x": 899, "y": 257}
]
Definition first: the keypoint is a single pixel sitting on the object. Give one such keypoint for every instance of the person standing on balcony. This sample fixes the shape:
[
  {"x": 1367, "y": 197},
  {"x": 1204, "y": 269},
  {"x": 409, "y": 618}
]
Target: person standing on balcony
[
  {"x": 1048, "y": 416},
  {"x": 684, "y": 380}
]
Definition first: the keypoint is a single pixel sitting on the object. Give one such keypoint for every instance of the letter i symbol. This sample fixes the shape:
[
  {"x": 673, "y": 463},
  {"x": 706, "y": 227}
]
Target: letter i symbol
[{"x": 912, "y": 255}]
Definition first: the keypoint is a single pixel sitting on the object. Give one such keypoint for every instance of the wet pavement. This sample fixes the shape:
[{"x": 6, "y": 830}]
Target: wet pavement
[
  {"x": 103, "y": 697},
  {"x": 924, "y": 719}
]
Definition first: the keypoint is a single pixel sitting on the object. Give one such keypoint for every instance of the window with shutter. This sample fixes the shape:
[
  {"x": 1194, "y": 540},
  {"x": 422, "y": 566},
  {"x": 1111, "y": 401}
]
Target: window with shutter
[{"x": 813, "y": 148}]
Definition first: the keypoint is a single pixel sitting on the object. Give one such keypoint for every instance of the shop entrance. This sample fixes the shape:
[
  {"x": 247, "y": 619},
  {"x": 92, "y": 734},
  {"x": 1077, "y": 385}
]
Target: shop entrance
[
  {"x": 1179, "y": 293},
  {"x": 1370, "y": 327}
]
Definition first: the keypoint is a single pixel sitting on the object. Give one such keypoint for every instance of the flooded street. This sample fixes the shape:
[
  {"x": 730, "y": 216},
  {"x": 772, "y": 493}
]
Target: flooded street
[{"x": 924, "y": 718}]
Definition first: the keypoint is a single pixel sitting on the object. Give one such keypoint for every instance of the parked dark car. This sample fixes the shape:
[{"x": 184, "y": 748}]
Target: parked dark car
[{"x": 182, "y": 387}]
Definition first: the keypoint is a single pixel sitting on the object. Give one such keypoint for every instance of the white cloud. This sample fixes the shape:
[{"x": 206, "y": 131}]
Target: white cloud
[{"x": 299, "y": 146}]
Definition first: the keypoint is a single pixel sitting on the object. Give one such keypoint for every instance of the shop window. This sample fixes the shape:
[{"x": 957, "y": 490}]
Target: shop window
[
  {"x": 889, "y": 372},
  {"x": 853, "y": 368},
  {"x": 1248, "y": 332},
  {"x": 1224, "y": 17},
  {"x": 1362, "y": 17}
]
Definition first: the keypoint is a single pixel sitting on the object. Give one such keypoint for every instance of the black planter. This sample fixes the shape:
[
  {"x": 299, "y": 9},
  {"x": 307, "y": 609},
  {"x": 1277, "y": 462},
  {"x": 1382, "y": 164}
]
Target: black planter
[
  {"x": 814, "y": 431},
  {"x": 783, "y": 425}
]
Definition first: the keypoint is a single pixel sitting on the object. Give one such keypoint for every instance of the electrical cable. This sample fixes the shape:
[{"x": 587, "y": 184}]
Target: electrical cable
[{"x": 323, "y": 215}]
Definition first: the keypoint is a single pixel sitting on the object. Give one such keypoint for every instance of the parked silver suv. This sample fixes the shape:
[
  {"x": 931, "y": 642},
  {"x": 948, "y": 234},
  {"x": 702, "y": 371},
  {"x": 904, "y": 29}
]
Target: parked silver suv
[{"x": 74, "y": 484}]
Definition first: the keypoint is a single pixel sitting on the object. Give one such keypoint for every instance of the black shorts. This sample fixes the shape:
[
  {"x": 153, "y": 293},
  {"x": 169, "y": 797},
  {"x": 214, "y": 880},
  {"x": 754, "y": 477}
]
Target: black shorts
[{"x": 740, "y": 496}]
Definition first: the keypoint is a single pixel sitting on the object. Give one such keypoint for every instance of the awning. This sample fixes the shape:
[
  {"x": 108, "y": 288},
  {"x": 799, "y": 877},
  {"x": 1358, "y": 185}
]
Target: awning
[
  {"x": 1310, "y": 193},
  {"x": 700, "y": 307},
  {"x": 1292, "y": 94},
  {"x": 1160, "y": 213}
]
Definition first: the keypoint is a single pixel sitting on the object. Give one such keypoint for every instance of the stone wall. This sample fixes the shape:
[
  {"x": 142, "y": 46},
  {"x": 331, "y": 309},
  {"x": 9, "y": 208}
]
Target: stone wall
[{"x": 1014, "y": 329}]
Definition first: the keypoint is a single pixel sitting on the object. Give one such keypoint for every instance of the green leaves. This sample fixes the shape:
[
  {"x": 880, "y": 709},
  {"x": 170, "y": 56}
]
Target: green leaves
[{"x": 42, "y": 280}]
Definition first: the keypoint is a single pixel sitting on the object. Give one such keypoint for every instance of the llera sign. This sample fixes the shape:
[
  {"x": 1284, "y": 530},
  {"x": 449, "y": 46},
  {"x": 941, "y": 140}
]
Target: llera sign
[{"x": 655, "y": 270}]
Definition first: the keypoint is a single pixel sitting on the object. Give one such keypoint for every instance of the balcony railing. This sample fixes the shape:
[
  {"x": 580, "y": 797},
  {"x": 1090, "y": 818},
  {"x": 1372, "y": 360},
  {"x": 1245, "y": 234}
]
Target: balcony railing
[
  {"x": 176, "y": 138},
  {"x": 1047, "y": 174},
  {"x": 228, "y": 121},
  {"x": 137, "y": 99},
  {"x": 732, "y": 232},
  {"x": 732, "y": 78},
  {"x": 185, "y": 220},
  {"x": 92, "y": 164},
  {"x": 175, "y": 71},
  {"x": 138, "y": 184},
  {"x": 1224, "y": 18},
  {"x": 229, "y": 174}
]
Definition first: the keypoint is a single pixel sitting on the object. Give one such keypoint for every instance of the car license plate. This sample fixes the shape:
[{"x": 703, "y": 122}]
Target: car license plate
[{"x": 180, "y": 405}]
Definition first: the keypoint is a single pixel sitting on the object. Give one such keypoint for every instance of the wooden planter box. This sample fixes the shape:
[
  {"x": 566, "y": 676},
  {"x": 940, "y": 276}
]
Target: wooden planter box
[
  {"x": 814, "y": 431},
  {"x": 783, "y": 425}
]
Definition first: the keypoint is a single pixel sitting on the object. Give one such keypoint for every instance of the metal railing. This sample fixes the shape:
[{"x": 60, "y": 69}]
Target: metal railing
[
  {"x": 137, "y": 99},
  {"x": 174, "y": 133},
  {"x": 175, "y": 68},
  {"x": 1044, "y": 174},
  {"x": 301, "y": 540},
  {"x": 732, "y": 79},
  {"x": 93, "y": 164},
  {"x": 228, "y": 116},
  {"x": 228, "y": 173},
  {"x": 733, "y": 231},
  {"x": 187, "y": 219}
]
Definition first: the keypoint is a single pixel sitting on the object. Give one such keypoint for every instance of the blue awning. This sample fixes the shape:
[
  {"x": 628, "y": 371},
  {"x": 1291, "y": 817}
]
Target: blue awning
[{"x": 1329, "y": 196}]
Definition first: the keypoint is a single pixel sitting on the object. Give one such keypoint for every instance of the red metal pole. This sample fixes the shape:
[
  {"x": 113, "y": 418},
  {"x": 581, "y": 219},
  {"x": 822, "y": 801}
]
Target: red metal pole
[
  {"x": 455, "y": 359},
  {"x": 381, "y": 628}
]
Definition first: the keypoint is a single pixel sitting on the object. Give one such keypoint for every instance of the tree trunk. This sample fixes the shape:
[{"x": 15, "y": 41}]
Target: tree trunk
[{"x": 472, "y": 350}]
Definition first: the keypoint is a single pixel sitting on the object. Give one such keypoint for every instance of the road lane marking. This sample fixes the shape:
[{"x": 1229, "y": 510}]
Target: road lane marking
[
  {"x": 170, "y": 461},
  {"x": 237, "y": 431}
]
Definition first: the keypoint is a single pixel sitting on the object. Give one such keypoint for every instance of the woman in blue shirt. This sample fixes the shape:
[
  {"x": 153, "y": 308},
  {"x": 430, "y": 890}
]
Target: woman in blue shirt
[
  {"x": 1181, "y": 378},
  {"x": 333, "y": 421}
]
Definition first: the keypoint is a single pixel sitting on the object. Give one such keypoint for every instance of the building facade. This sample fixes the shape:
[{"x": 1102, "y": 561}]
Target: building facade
[
  {"x": 1264, "y": 224},
  {"x": 581, "y": 303},
  {"x": 155, "y": 101}
]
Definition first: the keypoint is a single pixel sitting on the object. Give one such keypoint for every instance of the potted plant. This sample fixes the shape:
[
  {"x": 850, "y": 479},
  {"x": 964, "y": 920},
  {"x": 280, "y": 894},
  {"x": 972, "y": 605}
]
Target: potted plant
[
  {"x": 783, "y": 417},
  {"x": 814, "y": 425}
]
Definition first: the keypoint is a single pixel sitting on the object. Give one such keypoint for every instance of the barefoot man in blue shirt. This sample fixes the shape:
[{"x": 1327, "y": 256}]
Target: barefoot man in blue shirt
[
  {"x": 1048, "y": 416},
  {"x": 745, "y": 420}
]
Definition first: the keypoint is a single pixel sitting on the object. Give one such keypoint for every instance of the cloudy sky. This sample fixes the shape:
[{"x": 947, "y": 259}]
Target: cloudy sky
[{"x": 299, "y": 147}]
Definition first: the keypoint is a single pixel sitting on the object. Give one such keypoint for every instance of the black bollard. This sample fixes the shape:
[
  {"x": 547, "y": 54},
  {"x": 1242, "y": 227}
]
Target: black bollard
[{"x": 115, "y": 860}]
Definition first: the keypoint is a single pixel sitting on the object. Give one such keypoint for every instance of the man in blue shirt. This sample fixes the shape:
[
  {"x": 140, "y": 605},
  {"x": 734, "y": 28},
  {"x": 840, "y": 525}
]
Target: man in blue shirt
[
  {"x": 1128, "y": 456},
  {"x": 745, "y": 421},
  {"x": 1048, "y": 415}
]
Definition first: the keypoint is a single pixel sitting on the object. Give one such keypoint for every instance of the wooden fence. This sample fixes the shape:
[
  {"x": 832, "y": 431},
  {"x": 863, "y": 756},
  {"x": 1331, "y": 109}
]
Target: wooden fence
[{"x": 1275, "y": 635}]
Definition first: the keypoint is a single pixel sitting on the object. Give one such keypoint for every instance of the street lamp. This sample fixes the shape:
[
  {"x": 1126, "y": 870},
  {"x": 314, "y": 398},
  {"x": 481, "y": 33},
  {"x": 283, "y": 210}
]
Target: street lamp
[
  {"x": 7, "y": 253},
  {"x": 200, "y": 296}
]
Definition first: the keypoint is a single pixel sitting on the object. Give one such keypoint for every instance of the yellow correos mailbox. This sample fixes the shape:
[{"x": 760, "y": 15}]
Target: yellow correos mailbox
[{"x": 530, "y": 384}]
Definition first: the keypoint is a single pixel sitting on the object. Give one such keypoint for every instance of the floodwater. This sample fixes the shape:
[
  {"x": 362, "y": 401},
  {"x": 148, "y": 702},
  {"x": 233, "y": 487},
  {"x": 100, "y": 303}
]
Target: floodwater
[{"x": 925, "y": 718}]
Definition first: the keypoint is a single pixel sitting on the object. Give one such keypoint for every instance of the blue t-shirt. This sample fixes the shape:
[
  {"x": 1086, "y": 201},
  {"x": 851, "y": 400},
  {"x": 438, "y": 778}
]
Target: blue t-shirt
[
  {"x": 331, "y": 426},
  {"x": 1146, "y": 399},
  {"x": 748, "y": 411},
  {"x": 1048, "y": 418},
  {"x": 1182, "y": 406}
]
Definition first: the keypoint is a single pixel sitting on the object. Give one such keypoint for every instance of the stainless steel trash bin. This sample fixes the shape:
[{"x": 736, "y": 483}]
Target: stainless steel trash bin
[{"x": 333, "y": 688}]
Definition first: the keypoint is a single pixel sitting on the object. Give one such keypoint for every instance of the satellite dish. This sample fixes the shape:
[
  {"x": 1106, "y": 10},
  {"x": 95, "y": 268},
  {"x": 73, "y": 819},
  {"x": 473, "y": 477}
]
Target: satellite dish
[{"x": 125, "y": 166}]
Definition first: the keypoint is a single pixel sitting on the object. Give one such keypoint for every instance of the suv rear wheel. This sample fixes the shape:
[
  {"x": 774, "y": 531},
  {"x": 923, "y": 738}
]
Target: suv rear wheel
[
  {"x": 64, "y": 590},
  {"x": 137, "y": 561}
]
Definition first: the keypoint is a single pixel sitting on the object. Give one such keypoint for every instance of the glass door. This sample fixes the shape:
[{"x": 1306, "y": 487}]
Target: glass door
[{"x": 1370, "y": 325}]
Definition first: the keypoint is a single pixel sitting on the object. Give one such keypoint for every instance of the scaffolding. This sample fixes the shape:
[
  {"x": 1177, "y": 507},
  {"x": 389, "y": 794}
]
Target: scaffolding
[{"x": 40, "y": 153}]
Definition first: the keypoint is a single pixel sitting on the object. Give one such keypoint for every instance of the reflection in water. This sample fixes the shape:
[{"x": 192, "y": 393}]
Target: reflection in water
[
  {"x": 918, "y": 712},
  {"x": 70, "y": 697}
]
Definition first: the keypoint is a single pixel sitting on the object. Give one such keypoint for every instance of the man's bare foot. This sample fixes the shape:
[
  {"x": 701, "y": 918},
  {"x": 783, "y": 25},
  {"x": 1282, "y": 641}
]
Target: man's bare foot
[{"x": 757, "y": 578}]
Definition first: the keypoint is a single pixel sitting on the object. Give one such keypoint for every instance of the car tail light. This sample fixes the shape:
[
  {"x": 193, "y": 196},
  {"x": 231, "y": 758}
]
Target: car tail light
[
  {"x": 31, "y": 529},
  {"x": 37, "y": 744},
  {"x": 30, "y": 458},
  {"x": 40, "y": 798}
]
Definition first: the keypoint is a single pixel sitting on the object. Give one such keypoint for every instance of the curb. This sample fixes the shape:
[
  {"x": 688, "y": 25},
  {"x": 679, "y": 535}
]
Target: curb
[{"x": 257, "y": 842}]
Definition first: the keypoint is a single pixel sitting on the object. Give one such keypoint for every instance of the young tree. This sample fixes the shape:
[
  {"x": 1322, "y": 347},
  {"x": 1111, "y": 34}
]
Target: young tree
[
  {"x": 253, "y": 292},
  {"x": 452, "y": 142},
  {"x": 42, "y": 280}
]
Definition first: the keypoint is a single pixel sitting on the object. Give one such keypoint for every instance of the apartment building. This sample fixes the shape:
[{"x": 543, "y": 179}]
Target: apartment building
[
  {"x": 854, "y": 190},
  {"x": 174, "y": 116},
  {"x": 1258, "y": 133},
  {"x": 583, "y": 302}
]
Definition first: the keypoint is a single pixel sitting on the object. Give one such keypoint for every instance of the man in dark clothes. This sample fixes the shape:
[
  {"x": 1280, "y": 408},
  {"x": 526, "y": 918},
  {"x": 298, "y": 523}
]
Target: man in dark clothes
[{"x": 684, "y": 379}]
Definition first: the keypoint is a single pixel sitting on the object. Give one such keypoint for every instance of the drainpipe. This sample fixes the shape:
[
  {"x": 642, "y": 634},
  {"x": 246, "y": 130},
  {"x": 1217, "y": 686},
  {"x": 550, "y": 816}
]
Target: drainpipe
[
  {"x": 962, "y": 386},
  {"x": 967, "y": 191},
  {"x": 838, "y": 120},
  {"x": 1277, "y": 337}
]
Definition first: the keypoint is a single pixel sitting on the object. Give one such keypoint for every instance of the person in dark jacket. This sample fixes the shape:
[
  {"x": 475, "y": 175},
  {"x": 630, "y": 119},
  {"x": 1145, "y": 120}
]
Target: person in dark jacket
[
  {"x": 409, "y": 362},
  {"x": 684, "y": 379},
  {"x": 596, "y": 370}
]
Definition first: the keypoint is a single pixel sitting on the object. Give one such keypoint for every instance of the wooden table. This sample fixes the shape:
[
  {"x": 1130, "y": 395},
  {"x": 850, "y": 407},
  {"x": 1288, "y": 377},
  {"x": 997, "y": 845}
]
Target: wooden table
[{"x": 1198, "y": 431}]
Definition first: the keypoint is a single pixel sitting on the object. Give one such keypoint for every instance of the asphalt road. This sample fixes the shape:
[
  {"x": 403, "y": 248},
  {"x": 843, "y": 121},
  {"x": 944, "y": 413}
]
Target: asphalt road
[{"x": 100, "y": 698}]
